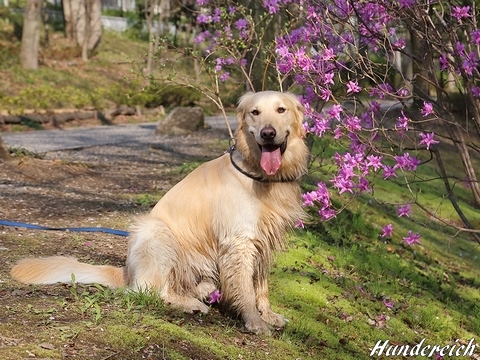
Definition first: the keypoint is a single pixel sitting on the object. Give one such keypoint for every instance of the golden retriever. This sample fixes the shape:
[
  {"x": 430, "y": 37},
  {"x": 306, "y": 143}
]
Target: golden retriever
[{"x": 218, "y": 227}]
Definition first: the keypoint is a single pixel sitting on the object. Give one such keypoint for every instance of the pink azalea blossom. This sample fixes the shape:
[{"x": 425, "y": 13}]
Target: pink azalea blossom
[
  {"x": 215, "y": 297},
  {"x": 404, "y": 210},
  {"x": 443, "y": 60},
  {"x": 427, "y": 109},
  {"x": 402, "y": 122},
  {"x": 475, "y": 91},
  {"x": 427, "y": 139},
  {"x": 475, "y": 37},
  {"x": 224, "y": 77},
  {"x": 406, "y": 3},
  {"x": 388, "y": 304},
  {"x": 374, "y": 161},
  {"x": 300, "y": 224},
  {"x": 412, "y": 238},
  {"x": 387, "y": 230},
  {"x": 352, "y": 87},
  {"x": 389, "y": 171},
  {"x": 241, "y": 24},
  {"x": 460, "y": 12}
]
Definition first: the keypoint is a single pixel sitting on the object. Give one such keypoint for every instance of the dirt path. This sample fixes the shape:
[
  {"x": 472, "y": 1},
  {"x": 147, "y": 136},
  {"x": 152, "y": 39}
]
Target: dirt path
[{"x": 87, "y": 136}]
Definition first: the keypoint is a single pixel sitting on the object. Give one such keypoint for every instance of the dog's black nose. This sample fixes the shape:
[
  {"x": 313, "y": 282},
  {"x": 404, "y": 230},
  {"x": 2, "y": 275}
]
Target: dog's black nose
[{"x": 268, "y": 133}]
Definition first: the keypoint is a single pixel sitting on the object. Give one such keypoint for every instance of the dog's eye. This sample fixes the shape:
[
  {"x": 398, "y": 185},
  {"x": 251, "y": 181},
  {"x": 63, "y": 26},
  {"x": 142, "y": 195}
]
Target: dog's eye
[
  {"x": 281, "y": 110},
  {"x": 255, "y": 112}
]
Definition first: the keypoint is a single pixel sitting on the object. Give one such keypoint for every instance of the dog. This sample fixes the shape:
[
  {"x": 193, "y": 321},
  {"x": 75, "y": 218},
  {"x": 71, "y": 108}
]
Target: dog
[{"x": 218, "y": 228}]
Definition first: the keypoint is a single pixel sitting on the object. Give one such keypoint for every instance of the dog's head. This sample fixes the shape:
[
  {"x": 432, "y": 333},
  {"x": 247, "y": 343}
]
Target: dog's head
[{"x": 270, "y": 131}]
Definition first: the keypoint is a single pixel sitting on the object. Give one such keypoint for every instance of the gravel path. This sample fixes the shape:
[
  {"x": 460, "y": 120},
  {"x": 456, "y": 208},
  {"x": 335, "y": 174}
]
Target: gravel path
[{"x": 58, "y": 140}]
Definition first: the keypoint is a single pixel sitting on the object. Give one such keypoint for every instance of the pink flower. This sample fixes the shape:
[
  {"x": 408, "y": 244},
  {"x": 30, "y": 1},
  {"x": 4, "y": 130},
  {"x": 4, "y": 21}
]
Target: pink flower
[
  {"x": 374, "y": 161},
  {"x": 427, "y": 109},
  {"x": 300, "y": 224},
  {"x": 407, "y": 162},
  {"x": 388, "y": 304},
  {"x": 475, "y": 35},
  {"x": 273, "y": 6},
  {"x": 215, "y": 297},
  {"x": 352, "y": 87},
  {"x": 387, "y": 230},
  {"x": 404, "y": 210},
  {"x": 443, "y": 60},
  {"x": 406, "y": 3},
  {"x": 427, "y": 139},
  {"x": 389, "y": 171},
  {"x": 475, "y": 91},
  {"x": 241, "y": 24},
  {"x": 402, "y": 122},
  {"x": 224, "y": 77},
  {"x": 335, "y": 111},
  {"x": 460, "y": 12},
  {"x": 337, "y": 133},
  {"x": 412, "y": 238}
]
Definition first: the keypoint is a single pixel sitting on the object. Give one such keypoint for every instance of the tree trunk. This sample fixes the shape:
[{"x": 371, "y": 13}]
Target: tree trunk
[
  {"x": 459, "y": 140},
  {"x": 95, "y": 24},
  {"x": 88, "y": 25},
  {"x": 421, "y": 56},
  {"x": 31, "y": 34},
  {"x": 86, "y": 31},
  {"x": 82, "y": 24},
  {"x": 150, "y": 7},
  {"x": 70, "y": 14}
]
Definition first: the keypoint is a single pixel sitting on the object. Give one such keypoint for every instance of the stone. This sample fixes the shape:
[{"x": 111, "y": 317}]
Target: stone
[{"x": 181, "y": 121}]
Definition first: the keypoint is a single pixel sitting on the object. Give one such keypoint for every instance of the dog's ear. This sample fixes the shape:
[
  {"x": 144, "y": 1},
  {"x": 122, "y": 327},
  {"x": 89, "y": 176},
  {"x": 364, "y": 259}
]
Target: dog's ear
[
  {"x": 241, "y": 107},
  {"x": 299, "y": 111}
]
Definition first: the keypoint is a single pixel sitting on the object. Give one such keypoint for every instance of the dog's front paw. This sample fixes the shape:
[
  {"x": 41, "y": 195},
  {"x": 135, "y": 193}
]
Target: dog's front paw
[{"x": 277, "y": 320}]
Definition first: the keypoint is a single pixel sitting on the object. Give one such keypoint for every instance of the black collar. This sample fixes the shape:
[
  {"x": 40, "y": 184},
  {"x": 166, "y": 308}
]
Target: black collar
[{"x": 255, "y": 177}]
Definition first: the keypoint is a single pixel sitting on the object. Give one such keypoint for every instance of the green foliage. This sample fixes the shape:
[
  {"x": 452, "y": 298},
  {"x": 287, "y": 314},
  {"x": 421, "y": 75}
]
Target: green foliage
[
  {"x": 47, "y": 96},
  {"x": 136, "y": 29},
  {"x": 346, "y": 228},
  {"x": 143, "y": 299},
  {"x": 146, "y": 200},
  {"x": 93, "y": 297},
  {"x": 188, "y": 167},
  {"x": 159, "y": 94},
  {"x": 119, "y": 13},
  {"x": 10, "y": 19},
  {"x": 22, "y": 152}
]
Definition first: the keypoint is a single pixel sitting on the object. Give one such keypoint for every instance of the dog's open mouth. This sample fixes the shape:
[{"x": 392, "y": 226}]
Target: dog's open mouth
[{"x": 271, "y": 159}]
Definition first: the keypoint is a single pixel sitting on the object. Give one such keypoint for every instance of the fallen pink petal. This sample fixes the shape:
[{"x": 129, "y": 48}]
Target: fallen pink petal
[{"x": 215, "y": 297}]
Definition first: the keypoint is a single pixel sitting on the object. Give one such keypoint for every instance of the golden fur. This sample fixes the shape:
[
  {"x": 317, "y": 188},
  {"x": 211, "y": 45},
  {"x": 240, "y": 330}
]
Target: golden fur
[{"x": 217, "y": 228}]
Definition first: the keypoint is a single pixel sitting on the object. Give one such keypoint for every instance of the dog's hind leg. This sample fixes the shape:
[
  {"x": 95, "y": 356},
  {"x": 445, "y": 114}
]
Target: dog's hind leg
[{"x": 152, "y": 258}]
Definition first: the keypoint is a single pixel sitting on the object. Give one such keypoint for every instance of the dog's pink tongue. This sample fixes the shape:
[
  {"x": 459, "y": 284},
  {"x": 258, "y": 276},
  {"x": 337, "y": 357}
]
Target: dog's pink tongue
[{"x": 271, "y": 159}]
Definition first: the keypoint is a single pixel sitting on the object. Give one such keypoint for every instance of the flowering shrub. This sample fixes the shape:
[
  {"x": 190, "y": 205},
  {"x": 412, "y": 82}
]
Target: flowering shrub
[{"x": 363, "y": 67}]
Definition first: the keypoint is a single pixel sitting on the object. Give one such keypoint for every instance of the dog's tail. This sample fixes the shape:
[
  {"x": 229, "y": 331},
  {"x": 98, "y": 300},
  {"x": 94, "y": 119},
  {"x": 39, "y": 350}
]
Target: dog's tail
[{"x": 56, "y": 269}]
